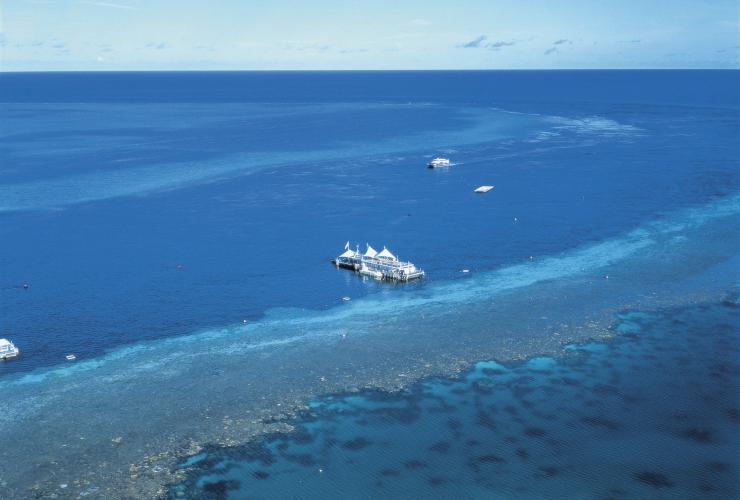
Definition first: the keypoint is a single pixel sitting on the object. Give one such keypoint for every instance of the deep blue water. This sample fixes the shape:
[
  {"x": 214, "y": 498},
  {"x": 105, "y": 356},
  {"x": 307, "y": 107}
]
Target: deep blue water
[
  {"x": 683, "y": 87},
  {"x": 140, "y": 206},
  {"x": 174, "y": 231},
  {"x": 652, "y": 414}
]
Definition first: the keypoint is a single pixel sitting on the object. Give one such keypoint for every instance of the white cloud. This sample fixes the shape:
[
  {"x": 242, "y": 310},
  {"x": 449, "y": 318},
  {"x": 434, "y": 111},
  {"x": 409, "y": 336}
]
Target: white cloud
[{"x": 107, "y": 4}]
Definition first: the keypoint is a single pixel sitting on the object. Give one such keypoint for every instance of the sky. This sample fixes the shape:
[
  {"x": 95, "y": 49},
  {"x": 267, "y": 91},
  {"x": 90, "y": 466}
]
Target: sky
[{"x": 46, "y": 35}]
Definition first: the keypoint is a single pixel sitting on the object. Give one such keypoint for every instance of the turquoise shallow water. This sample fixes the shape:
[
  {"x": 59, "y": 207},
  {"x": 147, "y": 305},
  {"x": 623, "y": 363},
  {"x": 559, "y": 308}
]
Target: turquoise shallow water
[
  {"x": 149, "y": 206},
  {"x": 85, "y": 137},
  {"x": 173, "y": 398},
  {"x": 152, "y": 214},
  {"x": 654, "y": 413}
]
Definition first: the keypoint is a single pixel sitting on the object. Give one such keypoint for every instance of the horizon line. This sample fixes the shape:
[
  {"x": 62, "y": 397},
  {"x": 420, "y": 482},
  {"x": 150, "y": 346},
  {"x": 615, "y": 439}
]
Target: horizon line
[{"x": 353, "y": 70}]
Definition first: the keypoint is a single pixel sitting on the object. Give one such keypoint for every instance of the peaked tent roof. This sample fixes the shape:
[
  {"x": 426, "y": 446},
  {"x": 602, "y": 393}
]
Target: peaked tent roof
[
  {"x": 387, "y": 254},
  {"x": 370, "y": 252},
  {"x": 348, "y": 253}
]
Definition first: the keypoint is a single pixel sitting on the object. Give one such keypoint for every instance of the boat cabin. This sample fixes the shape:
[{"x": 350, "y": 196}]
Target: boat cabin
[{"x": 8, "y": 350}]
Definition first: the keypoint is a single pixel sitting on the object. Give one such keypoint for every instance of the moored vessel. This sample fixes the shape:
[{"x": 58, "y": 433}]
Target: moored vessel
[
  {"x": 8, "y": 350},
  {"x": 381, "y": 265},
  {"x": 439, "y": 162}
]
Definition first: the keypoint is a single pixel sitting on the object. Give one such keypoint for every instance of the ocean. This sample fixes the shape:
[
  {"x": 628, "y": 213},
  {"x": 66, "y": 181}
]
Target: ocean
[
  {"x": 174, "y": 232},
  {"x": 592, "y": 423}
]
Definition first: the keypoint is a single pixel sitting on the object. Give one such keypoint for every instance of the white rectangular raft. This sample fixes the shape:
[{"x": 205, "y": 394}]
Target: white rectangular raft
[{"x": 483, "y": 189}]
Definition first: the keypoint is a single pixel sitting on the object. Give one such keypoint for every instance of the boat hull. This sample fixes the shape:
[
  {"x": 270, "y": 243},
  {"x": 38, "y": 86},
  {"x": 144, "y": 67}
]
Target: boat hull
[
  {"x": 384, "y": 275},
  {"x": 346, "y": 265},
  {"x": 10, "y": 355}
]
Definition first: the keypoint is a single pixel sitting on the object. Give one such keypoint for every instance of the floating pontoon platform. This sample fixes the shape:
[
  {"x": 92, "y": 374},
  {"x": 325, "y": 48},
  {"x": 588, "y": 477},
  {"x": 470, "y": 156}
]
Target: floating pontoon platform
[{"x": 381, "y": 265}]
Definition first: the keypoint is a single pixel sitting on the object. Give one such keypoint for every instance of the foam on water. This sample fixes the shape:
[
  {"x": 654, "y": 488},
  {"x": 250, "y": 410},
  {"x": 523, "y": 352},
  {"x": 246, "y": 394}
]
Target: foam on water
[{"x": 594, "y": 125}]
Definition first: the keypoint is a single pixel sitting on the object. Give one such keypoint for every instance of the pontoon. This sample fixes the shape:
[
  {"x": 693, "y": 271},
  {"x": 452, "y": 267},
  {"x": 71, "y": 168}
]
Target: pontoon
[{"x": 381, "y": 265}]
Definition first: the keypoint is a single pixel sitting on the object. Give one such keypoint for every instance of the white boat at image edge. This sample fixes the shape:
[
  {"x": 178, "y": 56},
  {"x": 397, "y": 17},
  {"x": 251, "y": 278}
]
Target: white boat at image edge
[
  {"x": 381, "y": 265},
  {"x": 8, "y": 350},
  {"x": 439, "y": 162}
]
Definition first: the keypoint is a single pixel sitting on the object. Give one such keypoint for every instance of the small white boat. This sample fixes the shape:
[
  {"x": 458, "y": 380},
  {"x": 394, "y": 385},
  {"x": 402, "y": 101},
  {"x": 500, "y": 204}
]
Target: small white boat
[
  {"x": 483, "y": 189},
  {"x": 70, "y": 357},
  {"x": 8, "y": 350},
  {"x": 439, "y": 162}
]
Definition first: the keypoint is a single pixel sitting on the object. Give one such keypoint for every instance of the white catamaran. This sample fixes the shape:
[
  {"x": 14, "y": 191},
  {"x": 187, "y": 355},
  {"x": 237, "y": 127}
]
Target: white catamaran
[
  {"x": 439, "y": 162},
  {"x": 8, "y": 350}
]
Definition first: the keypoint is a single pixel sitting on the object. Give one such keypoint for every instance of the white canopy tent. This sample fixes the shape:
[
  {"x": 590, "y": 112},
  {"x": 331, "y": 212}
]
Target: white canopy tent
[{"x": 386, "y": 254}]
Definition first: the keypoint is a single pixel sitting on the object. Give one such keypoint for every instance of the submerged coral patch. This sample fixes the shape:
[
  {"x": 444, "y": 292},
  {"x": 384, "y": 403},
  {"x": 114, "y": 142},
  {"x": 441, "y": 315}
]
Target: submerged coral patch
[
  {"x": 440, "y": 447},
  {"x": 598, "y": 421},
  {"x": 535, "y": 432},
  {"x": 357, "y": 443},
  {"x": 415, "y": 464},
  {"x": 365, "y": 443},
  {"x": 219, "y": 489},
  {"x": 698, "y": 434},
  {"x": 654, "y": 479}
]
